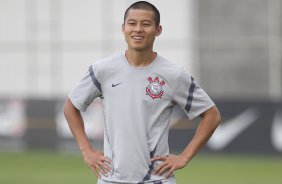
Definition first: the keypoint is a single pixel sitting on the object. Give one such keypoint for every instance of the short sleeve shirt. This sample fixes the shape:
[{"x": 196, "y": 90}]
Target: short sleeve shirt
[{"x": 137, "y": 106}]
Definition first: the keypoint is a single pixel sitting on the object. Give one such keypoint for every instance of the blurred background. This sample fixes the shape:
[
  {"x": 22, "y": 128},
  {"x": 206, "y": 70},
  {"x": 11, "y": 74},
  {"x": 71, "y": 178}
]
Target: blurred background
[{"x": 232, "y": 48}]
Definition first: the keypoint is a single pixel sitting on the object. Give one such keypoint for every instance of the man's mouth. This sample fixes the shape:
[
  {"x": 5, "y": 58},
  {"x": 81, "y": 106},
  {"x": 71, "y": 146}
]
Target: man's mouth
[{"x": 137, "y": 37}]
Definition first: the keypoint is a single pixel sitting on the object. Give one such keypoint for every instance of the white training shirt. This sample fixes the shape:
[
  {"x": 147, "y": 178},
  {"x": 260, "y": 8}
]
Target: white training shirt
[{"x": 137, "y": 107}]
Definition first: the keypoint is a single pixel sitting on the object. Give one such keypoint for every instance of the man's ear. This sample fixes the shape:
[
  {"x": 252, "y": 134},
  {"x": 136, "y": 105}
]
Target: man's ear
[
  {"x": 122, "y": 28},
  {"x": 159, "y": 30}
]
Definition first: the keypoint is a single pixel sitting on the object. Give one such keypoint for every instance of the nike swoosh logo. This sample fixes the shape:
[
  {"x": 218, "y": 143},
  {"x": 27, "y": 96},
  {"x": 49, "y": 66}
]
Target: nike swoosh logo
[
  {"x": 114, "y": 85},
  {"x": 229, "y": 130},
  {"x": 276, "y": 129}
]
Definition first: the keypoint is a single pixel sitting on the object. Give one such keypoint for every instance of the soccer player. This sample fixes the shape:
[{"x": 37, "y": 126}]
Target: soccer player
[{"x": 139, "y": 88}]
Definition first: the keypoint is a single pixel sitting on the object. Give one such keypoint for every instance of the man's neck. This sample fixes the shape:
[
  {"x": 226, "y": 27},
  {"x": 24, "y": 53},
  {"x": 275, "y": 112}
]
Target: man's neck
[{"x": 140, "y": 59}]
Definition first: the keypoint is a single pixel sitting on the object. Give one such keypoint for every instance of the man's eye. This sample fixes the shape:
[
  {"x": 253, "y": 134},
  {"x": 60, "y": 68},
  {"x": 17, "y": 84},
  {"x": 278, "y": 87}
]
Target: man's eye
[{"x": 131, "y": 23}]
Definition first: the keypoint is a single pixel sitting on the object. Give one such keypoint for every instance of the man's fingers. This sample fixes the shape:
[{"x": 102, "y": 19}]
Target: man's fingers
[
  {"x": 163, "y": 169},
  {"x": 108, "y": 160},
  {"x": 160, "y": 167},
  {"x": 106, "y": 168},
  {"x": 169, "y": 173},
  {"x": 103, "y": 167},
  {"x": 99, "y": 169},
  {"x": 98, "y": 163},
  {"x": 104, "y": 164},
  {"x": 93, "y": 169},
  {"x": 103, "y": 171},
  {"x": 158, "y": 158}
]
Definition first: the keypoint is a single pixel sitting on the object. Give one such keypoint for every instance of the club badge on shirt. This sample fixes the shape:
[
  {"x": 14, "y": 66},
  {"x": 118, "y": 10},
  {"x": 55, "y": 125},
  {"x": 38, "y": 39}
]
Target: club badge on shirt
[{"x": 154, "y": 89}]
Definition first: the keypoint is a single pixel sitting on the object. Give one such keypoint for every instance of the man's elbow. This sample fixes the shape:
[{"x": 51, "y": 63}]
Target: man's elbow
[
  {"x": 216, "y": 116},
  {"x": 68, "y": 107},
  {"x": 213, "y": 116}
]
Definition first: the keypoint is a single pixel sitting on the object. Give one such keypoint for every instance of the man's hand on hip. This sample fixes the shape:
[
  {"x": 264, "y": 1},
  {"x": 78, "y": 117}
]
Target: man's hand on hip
[
  {"x": 97, "y": 162},
  {"x": 169, "y": 164}
]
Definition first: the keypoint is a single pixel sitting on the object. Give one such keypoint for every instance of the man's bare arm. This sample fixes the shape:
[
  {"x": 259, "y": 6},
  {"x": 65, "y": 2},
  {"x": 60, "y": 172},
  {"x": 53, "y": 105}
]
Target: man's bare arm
[
  {"x": 94, "y": 158},
  {"x": 210, "y": 120}
]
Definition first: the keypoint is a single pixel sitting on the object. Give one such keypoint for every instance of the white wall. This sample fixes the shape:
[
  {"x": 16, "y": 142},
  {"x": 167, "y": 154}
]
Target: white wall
[{"x": 47, "y": 45}]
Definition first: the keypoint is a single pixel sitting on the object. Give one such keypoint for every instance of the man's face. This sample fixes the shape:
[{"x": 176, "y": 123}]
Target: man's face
[{"x": 140, "y": 29}]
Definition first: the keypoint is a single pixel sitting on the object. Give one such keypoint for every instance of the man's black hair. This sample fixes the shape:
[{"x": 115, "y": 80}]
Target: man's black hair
[{"x": 144, "y": 5}]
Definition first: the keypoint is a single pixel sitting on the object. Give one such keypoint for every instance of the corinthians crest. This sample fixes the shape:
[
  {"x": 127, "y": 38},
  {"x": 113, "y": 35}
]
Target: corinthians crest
[{"x": 154, "y": 89}]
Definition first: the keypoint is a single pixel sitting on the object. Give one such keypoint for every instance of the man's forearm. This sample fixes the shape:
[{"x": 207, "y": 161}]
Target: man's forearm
[
  {"x": 207, "y": 126},
  {"x": 209, "y": 122},
  {"x": 95, "y": 159},
  {"x": 76, "y": 125}
]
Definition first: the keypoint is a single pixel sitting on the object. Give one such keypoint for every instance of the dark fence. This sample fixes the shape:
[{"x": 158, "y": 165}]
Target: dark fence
[{"x": 247, "y": 127}]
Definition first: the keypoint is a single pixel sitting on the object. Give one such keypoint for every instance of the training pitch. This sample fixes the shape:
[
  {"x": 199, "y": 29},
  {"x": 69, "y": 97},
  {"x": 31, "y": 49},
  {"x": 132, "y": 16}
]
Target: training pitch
[{"x": 59, "y": 168}]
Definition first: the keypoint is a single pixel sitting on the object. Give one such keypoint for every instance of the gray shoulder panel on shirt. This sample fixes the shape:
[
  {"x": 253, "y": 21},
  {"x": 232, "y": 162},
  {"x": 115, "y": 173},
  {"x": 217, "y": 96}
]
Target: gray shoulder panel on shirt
[{"x": 94, "y": 79}]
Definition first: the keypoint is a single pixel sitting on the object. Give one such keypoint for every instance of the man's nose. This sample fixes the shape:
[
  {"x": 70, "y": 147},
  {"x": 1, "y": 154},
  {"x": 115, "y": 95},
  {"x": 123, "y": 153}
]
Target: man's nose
[{"x": 138, "y": 28}]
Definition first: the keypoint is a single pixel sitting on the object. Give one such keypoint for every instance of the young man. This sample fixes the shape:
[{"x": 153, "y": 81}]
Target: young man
[{"x": 138, "y": 89}]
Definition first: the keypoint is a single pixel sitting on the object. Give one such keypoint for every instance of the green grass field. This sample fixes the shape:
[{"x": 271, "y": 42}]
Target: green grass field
[{"x": 58, "y": 168}]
